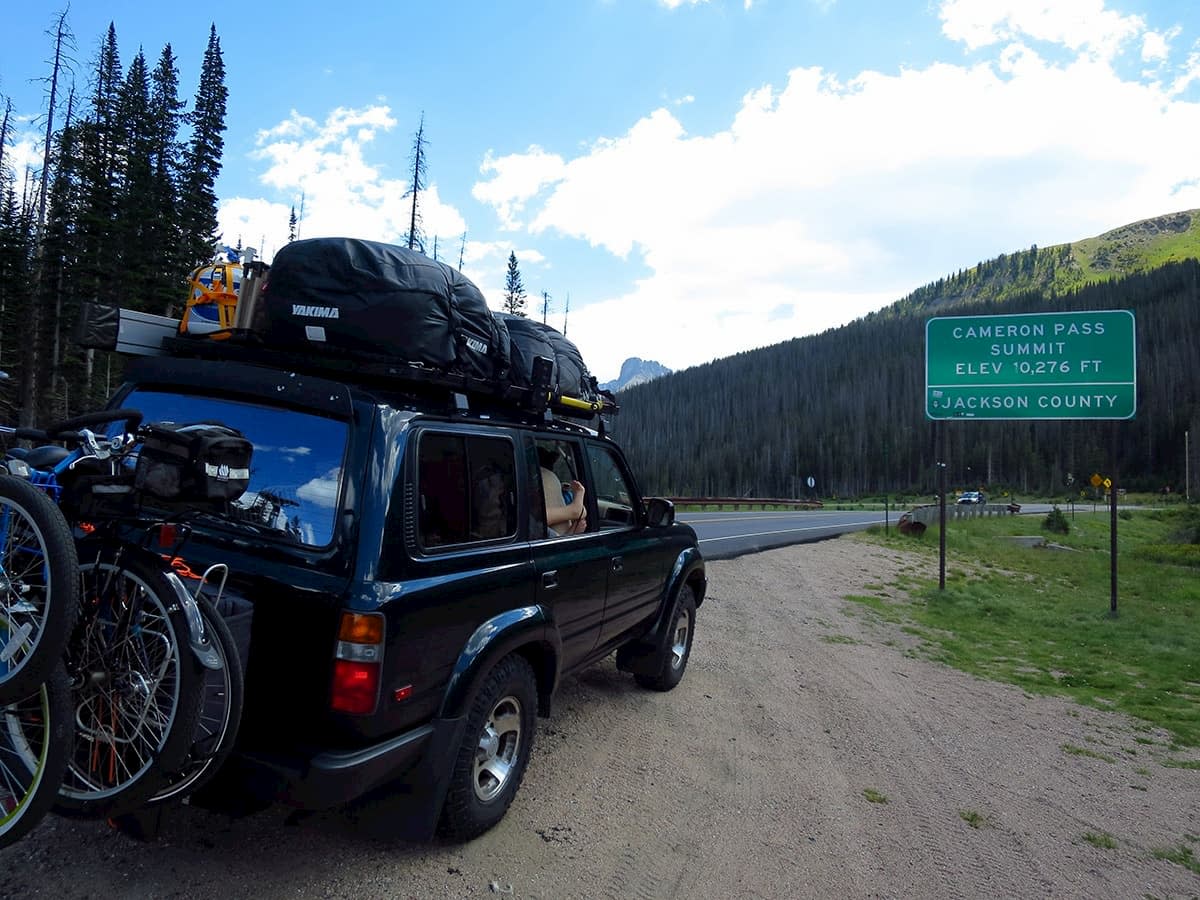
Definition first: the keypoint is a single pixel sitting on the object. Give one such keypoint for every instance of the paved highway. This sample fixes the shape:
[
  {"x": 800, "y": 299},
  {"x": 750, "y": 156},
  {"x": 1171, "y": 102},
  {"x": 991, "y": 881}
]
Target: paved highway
[{"x": 727, "y": 534}]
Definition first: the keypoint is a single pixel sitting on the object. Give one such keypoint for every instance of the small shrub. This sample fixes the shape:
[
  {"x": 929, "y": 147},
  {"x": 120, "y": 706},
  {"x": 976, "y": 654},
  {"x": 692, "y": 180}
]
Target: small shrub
[{"x": 1056, "y": 522}]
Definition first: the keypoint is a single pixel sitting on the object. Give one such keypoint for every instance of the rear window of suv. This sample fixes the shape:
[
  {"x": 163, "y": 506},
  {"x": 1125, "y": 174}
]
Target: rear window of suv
[{"x": 296, "y": 471}]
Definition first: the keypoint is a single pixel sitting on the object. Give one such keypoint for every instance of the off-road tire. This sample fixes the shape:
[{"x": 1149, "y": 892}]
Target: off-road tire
[
  {"x": 498, "y": 738},
  {"x": 679, "y": 645}
]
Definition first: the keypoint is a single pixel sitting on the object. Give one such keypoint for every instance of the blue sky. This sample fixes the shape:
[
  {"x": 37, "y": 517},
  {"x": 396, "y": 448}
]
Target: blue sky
[{"x": 699, "y": 177}]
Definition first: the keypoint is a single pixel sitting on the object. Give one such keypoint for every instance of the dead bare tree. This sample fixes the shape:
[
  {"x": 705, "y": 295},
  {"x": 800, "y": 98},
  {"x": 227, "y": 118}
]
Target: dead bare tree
[{"x": 418, "y": 183}]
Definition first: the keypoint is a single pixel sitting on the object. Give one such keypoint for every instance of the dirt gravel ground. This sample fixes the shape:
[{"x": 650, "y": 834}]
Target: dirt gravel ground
[{"x": 752, "y": 779}]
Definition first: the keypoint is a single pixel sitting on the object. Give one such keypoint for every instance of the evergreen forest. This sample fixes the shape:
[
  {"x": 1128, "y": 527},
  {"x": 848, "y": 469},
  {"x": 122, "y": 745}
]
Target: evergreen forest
[
  {"x": 121, "y": 209},
  {"x": 846, "y": 407}
]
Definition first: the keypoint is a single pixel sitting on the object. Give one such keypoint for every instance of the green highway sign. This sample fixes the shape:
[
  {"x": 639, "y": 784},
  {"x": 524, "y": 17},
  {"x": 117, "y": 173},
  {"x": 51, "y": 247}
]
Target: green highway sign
[{"x": 1071, "y": 365}]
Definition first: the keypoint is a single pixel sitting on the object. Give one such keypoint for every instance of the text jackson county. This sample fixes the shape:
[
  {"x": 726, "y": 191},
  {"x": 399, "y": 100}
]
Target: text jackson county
[{"x": 1020, "y": 401}]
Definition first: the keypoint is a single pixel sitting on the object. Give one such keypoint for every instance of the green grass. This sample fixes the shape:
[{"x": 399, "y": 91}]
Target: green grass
[
  {"x": 1084, "y": 751},
  {"x": 874, "y": 796},
  {"x": 972, "y": 818},
  {"x": 1182, "y": 763},
  {"x": 839, "y": 639},
  {"x": 1181, "y": 855},
  {"x": 1040, "y": 618},
  {"x": 1103, "y": 840}
]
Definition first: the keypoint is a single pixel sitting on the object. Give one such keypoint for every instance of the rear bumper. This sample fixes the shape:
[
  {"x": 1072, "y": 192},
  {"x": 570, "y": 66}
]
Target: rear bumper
[{"x": 415, "y": 765}]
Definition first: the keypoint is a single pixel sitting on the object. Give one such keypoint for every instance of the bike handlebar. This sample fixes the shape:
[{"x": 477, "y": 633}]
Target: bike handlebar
[{"x": 68, "y": 429}]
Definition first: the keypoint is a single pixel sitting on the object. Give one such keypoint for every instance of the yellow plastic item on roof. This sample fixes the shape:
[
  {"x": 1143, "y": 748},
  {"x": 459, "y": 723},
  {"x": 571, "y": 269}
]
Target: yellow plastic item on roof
[{"x": 212, "y": 298}]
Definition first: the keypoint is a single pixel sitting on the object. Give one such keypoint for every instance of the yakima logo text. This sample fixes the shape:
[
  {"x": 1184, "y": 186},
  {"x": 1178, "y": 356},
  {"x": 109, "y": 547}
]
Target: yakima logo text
[{"x": 316, "y": 312}]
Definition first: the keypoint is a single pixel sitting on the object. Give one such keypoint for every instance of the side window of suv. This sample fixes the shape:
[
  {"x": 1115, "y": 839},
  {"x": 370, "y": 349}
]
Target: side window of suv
[
  {"x": 614, "y": 494},
  {"x": 466, "y": 489}
]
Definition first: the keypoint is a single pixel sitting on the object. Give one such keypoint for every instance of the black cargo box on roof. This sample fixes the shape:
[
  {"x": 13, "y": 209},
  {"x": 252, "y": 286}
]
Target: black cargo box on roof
[
  {"x": 346, "y": 294},
  {"x": 529, "y": 339}
]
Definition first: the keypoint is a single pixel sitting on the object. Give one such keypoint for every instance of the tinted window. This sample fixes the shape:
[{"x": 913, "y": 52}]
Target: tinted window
[
  {"x": 614, "y": 498},
  {"x": 295, "y": 475},
  {"x": 466, "y": 489}
]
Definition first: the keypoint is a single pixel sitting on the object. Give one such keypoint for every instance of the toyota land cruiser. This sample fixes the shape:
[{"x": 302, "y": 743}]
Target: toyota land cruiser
[{"x": 412, "y": 611}]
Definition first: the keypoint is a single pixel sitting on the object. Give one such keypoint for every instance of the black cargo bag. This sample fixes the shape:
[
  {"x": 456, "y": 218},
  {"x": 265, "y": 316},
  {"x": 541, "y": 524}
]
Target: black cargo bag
[
  {"x": 529, "y": 339},
  {"x": 193, "y": 463},
  {"x": 348, "y": 296}
]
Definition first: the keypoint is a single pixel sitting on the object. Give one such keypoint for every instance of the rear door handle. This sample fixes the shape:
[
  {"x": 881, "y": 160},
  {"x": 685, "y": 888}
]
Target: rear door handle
[
  {"x": 617, "y": 564},
  {"x": 550, "y": 579}
]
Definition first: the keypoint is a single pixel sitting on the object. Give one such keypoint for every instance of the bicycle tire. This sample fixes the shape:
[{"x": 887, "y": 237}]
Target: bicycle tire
[
  {"x": 39, "y": 598},
  {"x": 220, "y": 714},
  {"x": 136, "y": 685},
  {"x": 35, "y": 733}
]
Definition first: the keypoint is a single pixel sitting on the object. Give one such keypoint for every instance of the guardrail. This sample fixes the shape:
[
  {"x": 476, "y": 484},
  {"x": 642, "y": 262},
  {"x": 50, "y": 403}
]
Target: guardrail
[
  {"x": 928, "y": 514},
  {"x": 748, "y": 502}
]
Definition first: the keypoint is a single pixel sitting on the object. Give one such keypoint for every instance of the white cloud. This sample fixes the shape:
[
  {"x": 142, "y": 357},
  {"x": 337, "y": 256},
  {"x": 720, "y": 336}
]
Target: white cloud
[
  {"x": 1075, "y": 24},
  {"x": 321, "y": 169},
  {"x": 835, "y": 196},
  {"x": 516, "y": 179},
  {"x": 321, "y": 491},
  {"x": 1156, "y": 46}
]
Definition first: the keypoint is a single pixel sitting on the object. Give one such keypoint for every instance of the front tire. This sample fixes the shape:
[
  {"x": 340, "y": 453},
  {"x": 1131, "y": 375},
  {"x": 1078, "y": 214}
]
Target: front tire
[
  {"x": 679, "y": 648},
  {"x": 492, "y": 759}
]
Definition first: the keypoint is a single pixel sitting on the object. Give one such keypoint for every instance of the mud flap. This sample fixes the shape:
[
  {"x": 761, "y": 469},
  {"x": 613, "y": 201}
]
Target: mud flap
[
  {"x": 413, "y": 805},
  {"x": 645, "y": 655}
]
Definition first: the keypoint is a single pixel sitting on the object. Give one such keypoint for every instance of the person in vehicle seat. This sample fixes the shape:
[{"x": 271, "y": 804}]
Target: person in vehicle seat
[{"x": 565, "y": 512}]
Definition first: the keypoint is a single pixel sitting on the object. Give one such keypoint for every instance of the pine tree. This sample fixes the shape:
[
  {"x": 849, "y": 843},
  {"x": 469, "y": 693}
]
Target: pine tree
[
  {"x": 135, "y": 203},
  {"x": 292, "y": 225},
  {"x": 202, "y": 159},
  {"x": 413, "y": 237},
  {"x": 163, "y": 233},
  {"x": 99, "y": 152},
  {"x": 59, "y": 249},
  {"x": 514, "y": 291}
]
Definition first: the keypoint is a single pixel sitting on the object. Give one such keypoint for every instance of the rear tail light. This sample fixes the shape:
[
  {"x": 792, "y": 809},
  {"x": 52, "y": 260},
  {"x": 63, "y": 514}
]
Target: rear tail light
[{"x": 357, "y": 662}]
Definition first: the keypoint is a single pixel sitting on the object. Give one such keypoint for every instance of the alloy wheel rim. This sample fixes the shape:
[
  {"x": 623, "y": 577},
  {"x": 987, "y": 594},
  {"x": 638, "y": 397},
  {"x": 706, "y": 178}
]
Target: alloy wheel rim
[{"x": 498, "y": 748}]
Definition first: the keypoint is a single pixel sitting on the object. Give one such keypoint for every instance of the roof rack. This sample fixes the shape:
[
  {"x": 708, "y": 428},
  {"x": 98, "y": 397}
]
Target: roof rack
[{"x": 141, "y": 334}]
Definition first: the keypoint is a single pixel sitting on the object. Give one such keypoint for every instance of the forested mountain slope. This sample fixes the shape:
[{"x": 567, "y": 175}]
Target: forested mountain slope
[{"x": 846, "y": 406}]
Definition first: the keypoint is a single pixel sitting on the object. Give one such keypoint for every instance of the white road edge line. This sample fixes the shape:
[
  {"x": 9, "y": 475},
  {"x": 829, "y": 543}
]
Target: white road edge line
[{"x": 735, "y": 537}]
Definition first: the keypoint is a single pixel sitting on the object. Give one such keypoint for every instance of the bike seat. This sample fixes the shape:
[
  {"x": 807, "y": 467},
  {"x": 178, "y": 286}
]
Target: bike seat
[
  {"x": 47, "y": 457},
  {"x": 17, "y": 452}
]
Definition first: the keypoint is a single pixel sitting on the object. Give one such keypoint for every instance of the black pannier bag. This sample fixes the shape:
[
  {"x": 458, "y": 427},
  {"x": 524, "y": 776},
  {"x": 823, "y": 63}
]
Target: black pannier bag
[
  {"x": 529, "y": 339},
  {"x": 194, "y": 463},
  {"x": 345, "y": 295}
]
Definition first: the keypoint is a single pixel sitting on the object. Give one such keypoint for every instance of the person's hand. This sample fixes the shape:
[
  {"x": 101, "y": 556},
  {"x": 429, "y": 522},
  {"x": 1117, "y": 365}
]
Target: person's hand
[{"x": 577, "y": 491}]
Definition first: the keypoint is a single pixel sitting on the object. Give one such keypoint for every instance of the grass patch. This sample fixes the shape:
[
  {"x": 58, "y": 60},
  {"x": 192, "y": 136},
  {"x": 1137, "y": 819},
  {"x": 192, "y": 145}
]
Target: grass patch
[
  {"x": 1103, "y": 840},
  {"x": 1040, "y": 619},
  {"x": 1084, "y": 751},
  {"x": 972, "y": 818},
  {"x": 1181, "y": 855},
  {"x": 889, "y": 612},
  {"x": 839, "y": 639},
  {"x": 874, "y": 796},
  {"x": 1182, "y": 763}
]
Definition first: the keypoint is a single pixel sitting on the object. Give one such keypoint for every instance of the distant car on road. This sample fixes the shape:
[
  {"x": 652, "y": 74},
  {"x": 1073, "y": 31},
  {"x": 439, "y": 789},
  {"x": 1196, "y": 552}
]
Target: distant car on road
[{"x": 972, "y": 497}]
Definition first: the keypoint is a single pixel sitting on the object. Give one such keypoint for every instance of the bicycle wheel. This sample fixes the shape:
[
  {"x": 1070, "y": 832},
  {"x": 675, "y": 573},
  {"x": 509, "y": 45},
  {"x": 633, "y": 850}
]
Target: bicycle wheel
[
  {"x": 136, "y": 686},
  {"x": 35, "y": 733},
  {"x": 220, "y": 714},
  {"x": 38, "y": 587}
]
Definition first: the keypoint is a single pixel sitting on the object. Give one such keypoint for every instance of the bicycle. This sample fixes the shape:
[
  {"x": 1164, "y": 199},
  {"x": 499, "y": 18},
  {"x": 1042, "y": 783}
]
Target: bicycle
[
  {"x": 137, "y": 655},
  {"x": 38, "y": 586}
]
